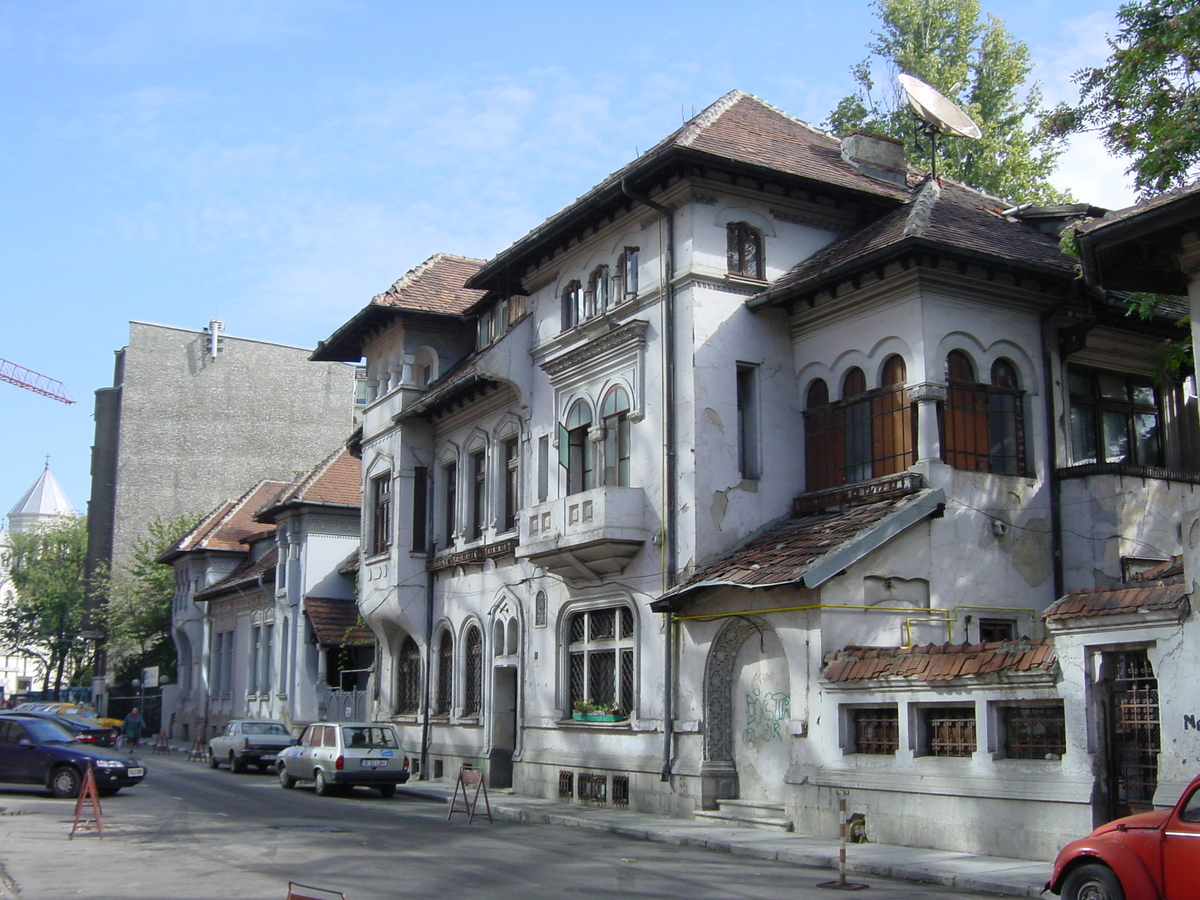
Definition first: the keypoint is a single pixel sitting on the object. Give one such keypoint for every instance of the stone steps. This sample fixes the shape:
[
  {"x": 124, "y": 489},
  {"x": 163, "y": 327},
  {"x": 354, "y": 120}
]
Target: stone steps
[{"x": 748, "y": 814}]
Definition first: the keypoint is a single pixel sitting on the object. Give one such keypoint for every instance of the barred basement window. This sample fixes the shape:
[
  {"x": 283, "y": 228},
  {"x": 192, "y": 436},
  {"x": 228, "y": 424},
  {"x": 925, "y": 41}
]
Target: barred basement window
[
  {"x": 601, "y": 658},
  {"x": 408, "y": 678},
  {"x": 950, "y": 731},
  {"x": 876, "y": 730},
  {"x": 473, "y": 674},
  {"x": 566, "y": 785},
  {"x": 620, "y": 791},
  {"x": 1034, "y": 732},
  {"x": 593, "y": 787}
]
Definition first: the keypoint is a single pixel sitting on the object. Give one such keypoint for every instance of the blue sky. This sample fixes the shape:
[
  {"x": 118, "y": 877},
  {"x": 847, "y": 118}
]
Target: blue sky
[{"x": 275, "y": 164}]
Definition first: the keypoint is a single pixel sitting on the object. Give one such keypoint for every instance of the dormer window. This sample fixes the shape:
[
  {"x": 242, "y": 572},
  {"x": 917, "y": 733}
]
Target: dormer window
[{"x": 743, "y": 251}]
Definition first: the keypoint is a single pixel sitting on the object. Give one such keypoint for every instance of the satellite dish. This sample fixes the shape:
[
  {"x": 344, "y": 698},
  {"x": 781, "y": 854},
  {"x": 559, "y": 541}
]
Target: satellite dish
[{"x": 936, "y": 109}]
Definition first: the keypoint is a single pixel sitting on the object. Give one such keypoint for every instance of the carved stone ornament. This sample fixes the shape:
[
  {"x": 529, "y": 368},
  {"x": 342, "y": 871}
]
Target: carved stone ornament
[
  {"x": 631, "y": 334},
  {"x": 927, "y": 390}
]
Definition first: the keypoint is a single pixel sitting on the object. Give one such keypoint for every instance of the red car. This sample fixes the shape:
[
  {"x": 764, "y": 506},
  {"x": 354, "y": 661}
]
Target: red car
[{"x": 1150, "y": 856}]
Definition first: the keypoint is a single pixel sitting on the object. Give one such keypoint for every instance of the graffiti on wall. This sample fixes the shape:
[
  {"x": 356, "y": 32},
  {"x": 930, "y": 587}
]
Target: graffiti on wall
[{"x": 765, "y": 715}]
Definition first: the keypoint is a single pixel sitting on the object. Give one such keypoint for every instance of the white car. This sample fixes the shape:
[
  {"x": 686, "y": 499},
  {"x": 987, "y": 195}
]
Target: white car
[
  {"x": 337, "y": 756},
  {"x": 244, "y": 742}
]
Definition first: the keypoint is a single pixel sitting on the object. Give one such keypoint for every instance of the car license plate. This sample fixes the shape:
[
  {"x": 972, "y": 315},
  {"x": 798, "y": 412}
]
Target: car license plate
[
  {"x": 136, "y": 771},
  {"x": 267, "y": 757},
  {"x": 372, "y": 763}
]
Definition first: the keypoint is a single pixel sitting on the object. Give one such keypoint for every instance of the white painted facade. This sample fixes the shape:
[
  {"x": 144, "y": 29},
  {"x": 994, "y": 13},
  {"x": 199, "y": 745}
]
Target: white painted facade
[{"x": 490, "y": 628}]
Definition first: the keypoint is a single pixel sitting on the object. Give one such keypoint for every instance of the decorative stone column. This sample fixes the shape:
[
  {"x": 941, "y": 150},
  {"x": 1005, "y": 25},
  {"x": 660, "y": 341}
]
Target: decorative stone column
[{"x": 927, "y": 395}]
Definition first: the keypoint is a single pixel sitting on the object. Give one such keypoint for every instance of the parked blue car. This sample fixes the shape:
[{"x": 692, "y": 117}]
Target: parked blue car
[{"x": 36, "y": 751}]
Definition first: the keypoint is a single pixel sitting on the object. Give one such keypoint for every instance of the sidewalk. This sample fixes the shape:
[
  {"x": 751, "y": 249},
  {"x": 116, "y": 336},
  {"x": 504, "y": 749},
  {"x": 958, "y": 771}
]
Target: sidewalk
[{"x": 1014, "y": 877}]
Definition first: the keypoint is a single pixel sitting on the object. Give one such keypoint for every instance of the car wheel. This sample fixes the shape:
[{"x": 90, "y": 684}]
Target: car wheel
[
  {"x": 236, "y": 764},
  {"x": 321, "y": 786},
  {"x": 386, "y": 790},
  {"x": 212, "y": 761},
  {"x": 286, "y": 780},
  {"x": 64, "y": 782},
  {"x": 1093, "y": 882}
]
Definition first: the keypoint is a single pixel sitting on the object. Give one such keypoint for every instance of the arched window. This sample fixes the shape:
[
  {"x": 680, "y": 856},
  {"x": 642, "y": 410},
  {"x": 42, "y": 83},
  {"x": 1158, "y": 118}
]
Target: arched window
[
  {"x": 866, "y": 434},
  {"x": 743, "y": 250},
  {"x": 445, "y": 675},
  {"x": 408, "y": 678},
  {"x": 575, "y": 452},
  {"x": 601, "y": 662},
  {"x": 596, "y": 300},
  {"x": 473, "y": 672},
  {"x": 615, "y": 413},
  {"x": 572, "y": 305},
  {"x": 983, "y": 424}
]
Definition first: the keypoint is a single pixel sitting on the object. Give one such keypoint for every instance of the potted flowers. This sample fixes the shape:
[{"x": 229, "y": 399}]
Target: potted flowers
[{"x": 589, "y": 710}]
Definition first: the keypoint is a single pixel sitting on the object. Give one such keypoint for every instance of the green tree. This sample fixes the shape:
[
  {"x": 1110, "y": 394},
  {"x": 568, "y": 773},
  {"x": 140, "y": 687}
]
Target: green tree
[
  {"x": 1145, "y": 101},
  {"x": 980, "y": 67},
  {"x": 42, "y": 621},
  {"x": 140, "y": 599}
]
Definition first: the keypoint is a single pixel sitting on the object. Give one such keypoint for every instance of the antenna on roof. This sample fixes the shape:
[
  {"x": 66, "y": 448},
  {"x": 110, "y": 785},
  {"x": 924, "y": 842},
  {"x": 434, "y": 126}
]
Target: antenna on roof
[{"x": 938, "y": 115}]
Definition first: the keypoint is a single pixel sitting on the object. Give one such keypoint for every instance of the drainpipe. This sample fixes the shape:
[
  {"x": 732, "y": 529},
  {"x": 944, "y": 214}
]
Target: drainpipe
[{"x": 670, "y": 468}]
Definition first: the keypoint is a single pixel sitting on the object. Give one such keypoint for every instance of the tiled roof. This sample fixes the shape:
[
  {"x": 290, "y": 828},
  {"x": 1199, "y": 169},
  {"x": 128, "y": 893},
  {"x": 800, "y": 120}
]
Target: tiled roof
[
  {"x": 788, "y": 552},
  {"x": 737, "y": 128},
  {"x": 250, "y": 574},
  {"x": 226, "y": 526},
  {"x": 336, "y": 621},
  {"x": 1170, "y": 595},
  {"x": 948, "y": 215},
  {"x": 349, "y": 565},
  {"x": 434, "y": 287},
  {"x": 943, "y": 662},
  {"x": 336, "y": 481}
]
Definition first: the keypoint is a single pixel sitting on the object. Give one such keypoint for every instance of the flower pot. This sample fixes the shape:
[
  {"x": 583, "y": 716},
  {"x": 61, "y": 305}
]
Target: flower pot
[
  {"x": 577, "y": 716},
  {"x": 601, "y": 717}
]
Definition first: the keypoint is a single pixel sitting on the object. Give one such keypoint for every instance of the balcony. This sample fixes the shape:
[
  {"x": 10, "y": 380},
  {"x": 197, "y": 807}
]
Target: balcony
[{"x": 585, "y": 537}]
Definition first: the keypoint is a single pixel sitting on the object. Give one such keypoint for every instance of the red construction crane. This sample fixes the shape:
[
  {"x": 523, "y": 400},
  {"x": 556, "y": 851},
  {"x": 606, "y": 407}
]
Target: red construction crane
[{"x": 32, "y": 381}]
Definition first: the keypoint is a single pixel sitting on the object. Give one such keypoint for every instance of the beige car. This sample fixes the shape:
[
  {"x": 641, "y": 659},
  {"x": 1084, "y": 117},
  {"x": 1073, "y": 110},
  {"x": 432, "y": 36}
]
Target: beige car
[{"x": 337, "y": 756}]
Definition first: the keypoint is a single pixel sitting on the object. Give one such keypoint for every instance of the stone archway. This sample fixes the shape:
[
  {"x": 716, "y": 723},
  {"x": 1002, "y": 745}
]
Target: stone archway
[{"x": 747, "y": 705}]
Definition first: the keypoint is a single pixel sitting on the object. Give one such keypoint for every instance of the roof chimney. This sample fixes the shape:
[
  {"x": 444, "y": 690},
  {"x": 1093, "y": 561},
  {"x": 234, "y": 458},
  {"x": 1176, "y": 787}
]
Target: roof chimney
[{"x": 876, "y": 156}]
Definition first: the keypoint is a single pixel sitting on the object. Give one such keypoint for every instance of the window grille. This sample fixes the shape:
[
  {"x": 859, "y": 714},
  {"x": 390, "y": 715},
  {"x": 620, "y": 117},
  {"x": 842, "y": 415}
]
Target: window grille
[
  {"x": 541, "y": 614},
  {"x": 593, "y": 787},
  {"x": 445, "y": 679},
  {"x": 566, "y": 785},
  {"x": 950, "y": 731},
  {"x": 620, "y": 791},
  {"x": 1136, "y": 738},
  {"x": 983, "y": 424},
  {"x": 601, "y": 658},
  {"x": 996, "y": 630},
  {"x": 473, "y": 676},
  {"x": 408, "y": 678},
  {"x": 876, "y": 731},
  {"x": 1034, "y": 732}
]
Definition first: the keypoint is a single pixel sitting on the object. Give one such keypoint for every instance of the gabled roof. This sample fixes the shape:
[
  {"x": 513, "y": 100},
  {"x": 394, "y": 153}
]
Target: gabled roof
[
  {"x": 227, "y": 525},
  {"x": 737, "y": 129},
  {"x": 940, "y": 662},
  {"x": 808, "y": 551},
  {"x": 336, "y": 621},
  {"x": 335, "y": 481},
  {"x": 435, "y": 287},
  {"x": 250, "y": 574},
  {"x": 944, "y": 216}
]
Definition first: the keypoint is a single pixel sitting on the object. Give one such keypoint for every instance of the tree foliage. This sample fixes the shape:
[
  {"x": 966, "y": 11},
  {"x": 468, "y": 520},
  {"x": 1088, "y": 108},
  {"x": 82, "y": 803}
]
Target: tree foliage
[
  {"x": 1145, "y": 101},
  {"x": 46, "y": 566},
  {"x": 140, "y": 600},
  {"x": 980, "y": 67}
]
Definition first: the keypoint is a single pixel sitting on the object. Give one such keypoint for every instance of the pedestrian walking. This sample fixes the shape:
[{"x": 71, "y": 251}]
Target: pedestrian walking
[{"x": 132, "y": 728}]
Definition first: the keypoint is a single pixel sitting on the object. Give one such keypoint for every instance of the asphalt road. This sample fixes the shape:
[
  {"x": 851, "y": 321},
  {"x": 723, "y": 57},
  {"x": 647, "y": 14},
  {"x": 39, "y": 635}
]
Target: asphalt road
[{"x": 191, "y": 832}]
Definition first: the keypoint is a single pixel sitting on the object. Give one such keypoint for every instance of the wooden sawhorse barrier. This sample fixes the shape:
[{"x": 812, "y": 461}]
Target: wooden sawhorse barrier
[{"x": 468, "y": 775}]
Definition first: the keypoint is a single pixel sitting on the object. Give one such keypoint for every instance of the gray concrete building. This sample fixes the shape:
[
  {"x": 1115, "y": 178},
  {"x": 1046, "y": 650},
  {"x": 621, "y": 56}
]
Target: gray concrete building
[{"x": 194, "y": 415}]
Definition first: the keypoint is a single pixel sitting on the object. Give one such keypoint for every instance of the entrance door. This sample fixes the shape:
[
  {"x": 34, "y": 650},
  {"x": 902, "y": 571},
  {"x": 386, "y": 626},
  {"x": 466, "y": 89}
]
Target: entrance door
[
  {"x": 761, "y": 712},
  {"x": 504, "y": 726},
  {"x": 1133, "y": 733}
]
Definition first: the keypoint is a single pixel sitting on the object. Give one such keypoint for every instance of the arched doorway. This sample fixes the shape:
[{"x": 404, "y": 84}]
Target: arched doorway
[{"x": 747, "y": 710}]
